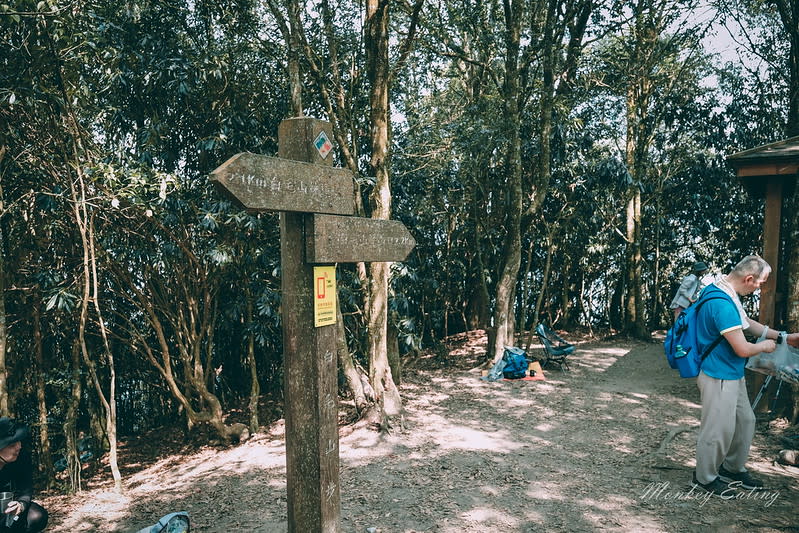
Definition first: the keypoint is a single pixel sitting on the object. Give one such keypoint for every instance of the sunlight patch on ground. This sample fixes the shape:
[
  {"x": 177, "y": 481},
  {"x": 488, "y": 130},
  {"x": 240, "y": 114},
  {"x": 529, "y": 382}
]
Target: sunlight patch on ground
[
  {"x": 599, "y": 358},
  {"x": 111, "y": 506},
  {"x": 682, "y": 402},
  {"x": 363, "y": 444},
  {"x": 446, "y": 383},
  {"x": 633, "y": 401},
  {"x": 449, "y": 435},
  {"x": 613, "y": 502},
  {"x": 610, "y": 350},
  {"x": 363, "y": 447},
  {"x": 540, "y": 490},
  {"x": 599, "y": 363},
  {"x": 613, "y": 511},
  {"x": 491, "y": 519},
  {"x": 612, "y": 397},
  {"x": 430, "y": 398},
  {"x": 240, "y": 460},
  {"x": 463, "y": 438},
  {"x": 620, "y": 443},
  {"x": 610, "y": 514},
  {"x": 690, "y": 421}
]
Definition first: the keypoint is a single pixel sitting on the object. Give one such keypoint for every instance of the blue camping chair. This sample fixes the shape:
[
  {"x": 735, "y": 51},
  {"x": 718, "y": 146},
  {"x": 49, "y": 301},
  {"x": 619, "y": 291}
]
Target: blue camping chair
[{"x": 556, "y": 349}]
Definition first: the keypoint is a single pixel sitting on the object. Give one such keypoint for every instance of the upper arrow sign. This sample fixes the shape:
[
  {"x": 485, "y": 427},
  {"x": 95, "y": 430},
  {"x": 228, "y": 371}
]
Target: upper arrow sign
[
  {"x": 263, "y": 183},
  {"x": 332, "y": 239}
]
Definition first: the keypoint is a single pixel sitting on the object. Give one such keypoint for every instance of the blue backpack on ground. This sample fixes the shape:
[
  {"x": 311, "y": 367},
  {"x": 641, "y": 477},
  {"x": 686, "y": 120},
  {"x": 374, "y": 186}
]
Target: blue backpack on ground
[
  {"x": 513, "y": 365},
  {"x": 681, "y": 345}
]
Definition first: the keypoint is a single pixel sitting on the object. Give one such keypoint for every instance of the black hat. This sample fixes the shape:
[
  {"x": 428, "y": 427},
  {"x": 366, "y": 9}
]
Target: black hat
[
  {"x": 11, "y": 431},
  {"x": 699, "y": 266}
]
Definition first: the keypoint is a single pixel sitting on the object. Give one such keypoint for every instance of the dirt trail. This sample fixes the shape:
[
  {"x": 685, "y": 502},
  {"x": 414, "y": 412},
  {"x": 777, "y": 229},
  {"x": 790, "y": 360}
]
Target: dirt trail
[{"x": 607, "y": 446}]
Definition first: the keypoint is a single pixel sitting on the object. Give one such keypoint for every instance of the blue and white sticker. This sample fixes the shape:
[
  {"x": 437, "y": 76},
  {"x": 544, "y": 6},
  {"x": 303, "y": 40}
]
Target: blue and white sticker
[{"x": 323, "y": 144}]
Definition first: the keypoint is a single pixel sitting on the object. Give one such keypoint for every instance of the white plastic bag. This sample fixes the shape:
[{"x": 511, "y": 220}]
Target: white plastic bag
[{"x": 782, "y": 362}]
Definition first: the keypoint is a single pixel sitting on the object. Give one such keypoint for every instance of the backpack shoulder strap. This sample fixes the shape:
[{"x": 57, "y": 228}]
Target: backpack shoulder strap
[{"x": 714, "y": 294}]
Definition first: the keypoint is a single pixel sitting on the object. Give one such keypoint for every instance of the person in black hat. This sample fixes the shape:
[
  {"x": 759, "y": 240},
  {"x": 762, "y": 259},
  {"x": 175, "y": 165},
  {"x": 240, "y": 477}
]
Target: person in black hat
[
  {"x": 689, "y": 289},
  {"x": 16, "y": 476}
]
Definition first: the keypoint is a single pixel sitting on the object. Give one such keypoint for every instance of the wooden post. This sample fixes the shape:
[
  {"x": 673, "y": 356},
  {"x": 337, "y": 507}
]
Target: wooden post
[
  {"x": 311, "y": 407},
  {"x": 311, "y": 199},
  {"x": 771, "y": 249}
]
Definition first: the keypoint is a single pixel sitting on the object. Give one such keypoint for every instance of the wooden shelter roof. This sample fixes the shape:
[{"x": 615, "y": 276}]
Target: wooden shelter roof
[{"x": 776, "y": 160}]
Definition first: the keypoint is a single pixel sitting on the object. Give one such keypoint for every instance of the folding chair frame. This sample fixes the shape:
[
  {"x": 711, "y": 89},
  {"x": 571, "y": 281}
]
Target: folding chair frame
[{"x": 556, "y": 349}]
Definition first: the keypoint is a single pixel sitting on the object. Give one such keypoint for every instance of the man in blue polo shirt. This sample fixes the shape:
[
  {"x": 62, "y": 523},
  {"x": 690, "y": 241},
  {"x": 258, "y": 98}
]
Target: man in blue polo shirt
[{"x": 728, "y": 422}]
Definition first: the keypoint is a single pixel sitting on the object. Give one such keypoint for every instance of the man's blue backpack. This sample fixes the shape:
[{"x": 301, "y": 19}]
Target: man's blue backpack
[
  {"x": 515, "y": 363},
  {"x": 681, "y": 345}
]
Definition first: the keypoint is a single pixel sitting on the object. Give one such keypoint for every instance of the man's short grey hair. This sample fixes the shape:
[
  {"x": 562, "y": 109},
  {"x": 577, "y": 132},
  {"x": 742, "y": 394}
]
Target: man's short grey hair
[{"x": 753, "y": 265}]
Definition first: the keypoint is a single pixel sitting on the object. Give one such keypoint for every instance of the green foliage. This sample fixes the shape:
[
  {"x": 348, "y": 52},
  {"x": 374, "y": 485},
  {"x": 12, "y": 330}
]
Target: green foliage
[{"x": 145, "y": 98}]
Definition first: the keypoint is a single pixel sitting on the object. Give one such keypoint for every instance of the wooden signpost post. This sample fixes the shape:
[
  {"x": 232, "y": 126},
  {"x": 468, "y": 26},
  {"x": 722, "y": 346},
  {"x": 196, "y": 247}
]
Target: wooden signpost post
[{"x": 313, "y": 237}]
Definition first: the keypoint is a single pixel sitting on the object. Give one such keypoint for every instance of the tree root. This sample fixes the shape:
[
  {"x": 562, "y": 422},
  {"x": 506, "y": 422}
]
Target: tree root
[
  {"x": 670, "y": 437},
  {"x": 660, "y": 453}
]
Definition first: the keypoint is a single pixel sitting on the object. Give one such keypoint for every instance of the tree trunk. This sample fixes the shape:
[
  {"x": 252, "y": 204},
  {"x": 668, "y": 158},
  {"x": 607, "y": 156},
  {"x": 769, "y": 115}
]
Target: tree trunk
[
  {"x": 446, "y": 304},
  {"x": 615, "y": 308},
  {"x": 526, "y": 292},
  {"x": 295, "y": 79},
  {"x": 4, "y": 407},
  {"x": 354, "y": 377},
  {"x": 551, "y": 248},
  {"x": 394, "y": 360},
  {"x": 192, "y": 388},
  {"x": 71, "y": 423},
  {"x": 45, "y": 453},
  {"x": 255, "y": 387},
  {"x": 583, "y": 308},
  {"x": 565, "y": 295},
  {"x": 90, "y": 292},
  {"x": 511, "y": 250},
  {"x": 477, "y": 307},
  {"x": 377, "y": 66},
  {"x": 634, "y": 322},
  {"x": 110, "y": 404}
]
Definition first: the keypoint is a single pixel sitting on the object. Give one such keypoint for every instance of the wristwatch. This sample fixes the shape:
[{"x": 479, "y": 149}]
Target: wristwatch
[{"x": 781, "y": 336}]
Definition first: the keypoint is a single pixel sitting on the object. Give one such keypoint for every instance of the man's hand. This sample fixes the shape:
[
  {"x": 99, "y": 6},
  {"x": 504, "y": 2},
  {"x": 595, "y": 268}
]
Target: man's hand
[
  {"x": 793, "y": 339},
  {"x": 15, "y": 507},
  {"x": 766, "y": 346}
]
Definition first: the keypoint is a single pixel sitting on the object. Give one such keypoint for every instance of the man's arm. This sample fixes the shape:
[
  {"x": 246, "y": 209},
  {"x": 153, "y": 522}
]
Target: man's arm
[
  {"x": 744, "y": 348},
  {"x": 756, "y": 328}
]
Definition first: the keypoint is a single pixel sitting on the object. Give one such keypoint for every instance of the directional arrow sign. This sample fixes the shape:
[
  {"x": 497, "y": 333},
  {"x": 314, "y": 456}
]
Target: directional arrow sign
[
  {"x": 337, "y": 239},
  {"x": 263, "y": 183}
]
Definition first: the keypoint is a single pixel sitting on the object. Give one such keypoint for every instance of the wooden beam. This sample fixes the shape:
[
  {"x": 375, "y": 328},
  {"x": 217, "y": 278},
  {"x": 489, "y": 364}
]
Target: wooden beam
[
  {"x": 773, "y": 169},
  {"x": 771, "y": 248},
  {"x": 263, "y": 183},
  {"x": 337, "y": 239}
]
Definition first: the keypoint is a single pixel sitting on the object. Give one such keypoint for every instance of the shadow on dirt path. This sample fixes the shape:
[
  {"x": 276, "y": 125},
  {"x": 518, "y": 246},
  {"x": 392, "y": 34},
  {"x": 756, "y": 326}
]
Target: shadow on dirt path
[{"x": 607, "y": 446}]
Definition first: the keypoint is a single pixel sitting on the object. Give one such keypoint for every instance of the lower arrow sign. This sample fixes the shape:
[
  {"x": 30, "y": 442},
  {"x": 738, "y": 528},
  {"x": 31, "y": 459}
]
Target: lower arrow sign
[{"x": 344, "y": 239}]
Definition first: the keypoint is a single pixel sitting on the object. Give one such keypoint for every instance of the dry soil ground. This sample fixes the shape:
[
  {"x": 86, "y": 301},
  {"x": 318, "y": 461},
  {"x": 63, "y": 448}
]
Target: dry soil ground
[{"x": 607, "y": 446}]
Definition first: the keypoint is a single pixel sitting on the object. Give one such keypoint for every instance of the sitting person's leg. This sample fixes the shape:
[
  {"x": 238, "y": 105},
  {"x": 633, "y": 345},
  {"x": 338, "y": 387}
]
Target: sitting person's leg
[
  {"x": 32, "y": 521},
  {"x": 36, "y": 518}
]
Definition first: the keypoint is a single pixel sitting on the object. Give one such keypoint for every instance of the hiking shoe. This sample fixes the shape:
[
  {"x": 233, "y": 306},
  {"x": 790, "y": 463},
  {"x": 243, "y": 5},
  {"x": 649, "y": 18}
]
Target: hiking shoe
[
  {"x": 746, "y": 480},
  {"x": 716, "y": 486}
]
